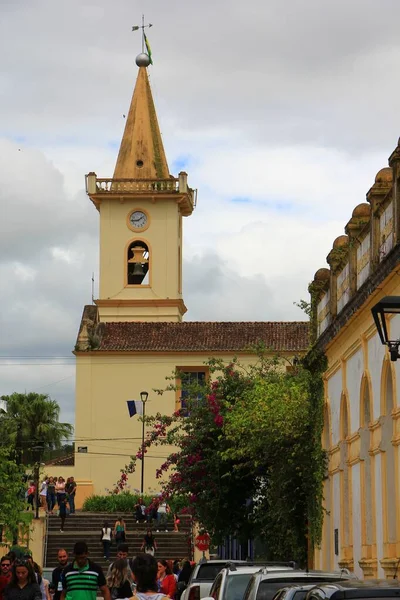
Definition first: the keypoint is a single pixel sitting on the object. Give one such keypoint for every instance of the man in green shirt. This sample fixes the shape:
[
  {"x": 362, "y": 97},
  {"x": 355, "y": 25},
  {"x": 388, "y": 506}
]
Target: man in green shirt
[{"x": 82, "y": 578}]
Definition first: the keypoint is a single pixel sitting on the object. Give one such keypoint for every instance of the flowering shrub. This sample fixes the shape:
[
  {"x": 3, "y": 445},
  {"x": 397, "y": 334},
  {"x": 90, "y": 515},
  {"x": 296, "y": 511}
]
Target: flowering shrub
[{"x": 249, "y": 459}]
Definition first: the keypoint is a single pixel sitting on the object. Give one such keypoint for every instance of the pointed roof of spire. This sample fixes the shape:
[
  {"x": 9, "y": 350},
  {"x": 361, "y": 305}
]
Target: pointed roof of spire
[{"x": 141, "y": 154}]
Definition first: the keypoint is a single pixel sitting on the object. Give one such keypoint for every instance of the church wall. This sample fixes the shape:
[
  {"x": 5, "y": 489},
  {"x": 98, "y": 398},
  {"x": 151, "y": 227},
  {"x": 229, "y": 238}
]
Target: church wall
[{"x": 104, "y": 384}]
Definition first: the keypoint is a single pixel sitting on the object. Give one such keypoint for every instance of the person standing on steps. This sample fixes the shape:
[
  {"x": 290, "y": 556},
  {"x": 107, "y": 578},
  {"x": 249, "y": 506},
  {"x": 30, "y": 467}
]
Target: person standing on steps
[
  {"x": 31, "y": 495},
  {"x": 43, "y": 495},
  {"x": 60, "y": 489},
  {"x": 162, "y": 516},
  {"x": 51, "y": 495},
  {"x": 149, "y": 544},
  {"x": 70, "y": 488},
  {"x": 82, "y": 578},
  {"x": 56, "y": 576},
  {"x": 120, "y": 531},
  {"x": 105, "y": 538},
  {"x": 62, "y": 511}
]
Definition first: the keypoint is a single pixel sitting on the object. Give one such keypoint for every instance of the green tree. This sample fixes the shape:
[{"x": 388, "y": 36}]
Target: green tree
[
  {"x": 12, "y": 496},
  {"x": 30, "y": 425},
  {"x": 249, "y": 460}
]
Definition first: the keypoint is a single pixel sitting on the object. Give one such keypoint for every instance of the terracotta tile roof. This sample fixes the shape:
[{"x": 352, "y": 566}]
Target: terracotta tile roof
[
  {"x": 62, "y": 461},
  {"x": 194, "y": 336}
]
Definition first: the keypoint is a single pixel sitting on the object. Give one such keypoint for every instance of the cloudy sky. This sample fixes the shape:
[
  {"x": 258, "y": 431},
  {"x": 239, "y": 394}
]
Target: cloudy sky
[{"x": 281, "y": 112}]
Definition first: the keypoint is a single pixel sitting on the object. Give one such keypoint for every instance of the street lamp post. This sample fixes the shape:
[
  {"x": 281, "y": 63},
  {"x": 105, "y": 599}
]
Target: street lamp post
[
  {"x": 388, "y": 305},
  {"x": 143, "y": 397}
]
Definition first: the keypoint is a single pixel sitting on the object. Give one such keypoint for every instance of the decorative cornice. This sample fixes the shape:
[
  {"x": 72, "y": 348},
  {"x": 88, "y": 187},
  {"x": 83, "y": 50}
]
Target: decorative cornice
[
  {"x": 158, "y": 303},
  {"x": 383, "y": 270}
]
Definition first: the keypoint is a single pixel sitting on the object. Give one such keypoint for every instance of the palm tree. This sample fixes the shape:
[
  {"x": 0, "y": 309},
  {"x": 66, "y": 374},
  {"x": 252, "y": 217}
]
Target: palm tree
[{"x": 30, "y": 424}]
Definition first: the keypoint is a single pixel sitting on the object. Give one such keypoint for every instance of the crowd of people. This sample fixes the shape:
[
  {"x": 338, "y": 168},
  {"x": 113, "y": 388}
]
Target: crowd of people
[
  {"x": 158, "y": 511},
  {"x": 53, "y": 492},
  {"x": 142, "y": 578}
]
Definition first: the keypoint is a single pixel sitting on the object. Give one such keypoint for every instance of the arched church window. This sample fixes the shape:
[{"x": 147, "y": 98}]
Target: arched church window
[{"x": 138, "y": 263}]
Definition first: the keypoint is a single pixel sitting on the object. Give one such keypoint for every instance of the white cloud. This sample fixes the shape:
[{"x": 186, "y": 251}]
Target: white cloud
[{"x": 283, "y": 112}]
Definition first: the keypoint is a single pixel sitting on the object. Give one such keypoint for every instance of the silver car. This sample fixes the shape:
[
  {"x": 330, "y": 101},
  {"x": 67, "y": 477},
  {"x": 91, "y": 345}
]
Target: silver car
[{"x": 265, "y": 584}]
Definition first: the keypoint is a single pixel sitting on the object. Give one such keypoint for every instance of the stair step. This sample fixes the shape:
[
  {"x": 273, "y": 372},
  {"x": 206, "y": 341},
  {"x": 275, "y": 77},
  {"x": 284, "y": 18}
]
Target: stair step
[{"x": 85, "y": 526}]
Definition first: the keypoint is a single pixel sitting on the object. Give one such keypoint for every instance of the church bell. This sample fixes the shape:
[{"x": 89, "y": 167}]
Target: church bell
[{"x": 138, "y": 270}]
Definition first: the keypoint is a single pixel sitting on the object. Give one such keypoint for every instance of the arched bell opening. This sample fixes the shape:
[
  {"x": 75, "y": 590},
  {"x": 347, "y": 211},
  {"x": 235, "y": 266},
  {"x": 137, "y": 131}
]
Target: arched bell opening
[{"x": 138, "y": 262}]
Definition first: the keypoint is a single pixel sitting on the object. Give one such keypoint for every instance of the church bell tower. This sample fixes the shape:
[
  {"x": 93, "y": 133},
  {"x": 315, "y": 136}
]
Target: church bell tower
[{"x": 141, "y": 209}]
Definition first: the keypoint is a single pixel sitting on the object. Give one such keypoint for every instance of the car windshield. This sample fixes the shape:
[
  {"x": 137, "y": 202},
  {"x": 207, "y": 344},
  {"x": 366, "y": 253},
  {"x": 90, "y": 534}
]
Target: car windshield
[
  {"x": 208, "y": 572},
  {"x": 236, "y": 586}
]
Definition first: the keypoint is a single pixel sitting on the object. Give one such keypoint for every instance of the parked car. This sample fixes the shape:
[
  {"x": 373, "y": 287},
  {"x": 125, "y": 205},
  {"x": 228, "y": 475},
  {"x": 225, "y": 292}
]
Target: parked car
[
  {"x": 359, "y": 590},
  {"x": 231, "y": 582},
  {"x": 293, "y": 592},
  {"x": 265, "y": 584},
  {"x": 202, "y": 577},
  {"x": 204, "y": 574}
]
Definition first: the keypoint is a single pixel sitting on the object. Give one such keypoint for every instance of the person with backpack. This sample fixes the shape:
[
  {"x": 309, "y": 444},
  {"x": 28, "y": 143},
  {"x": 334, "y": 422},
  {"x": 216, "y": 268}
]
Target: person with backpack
[{"x": 105, "y": 538}]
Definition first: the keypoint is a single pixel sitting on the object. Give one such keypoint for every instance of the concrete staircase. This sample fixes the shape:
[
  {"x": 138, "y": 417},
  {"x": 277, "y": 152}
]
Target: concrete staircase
[{"x": 85, "y": 526}]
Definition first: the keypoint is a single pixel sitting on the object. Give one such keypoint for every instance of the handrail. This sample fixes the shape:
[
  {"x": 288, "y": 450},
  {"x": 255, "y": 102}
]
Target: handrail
[
  {"x": 46, "y": 537},
  {"x": 137, "y": 185}
]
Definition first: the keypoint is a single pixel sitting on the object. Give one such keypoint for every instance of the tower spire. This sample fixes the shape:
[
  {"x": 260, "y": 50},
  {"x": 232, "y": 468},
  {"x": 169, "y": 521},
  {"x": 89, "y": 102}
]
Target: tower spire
[{"x": 141, "y": 154}]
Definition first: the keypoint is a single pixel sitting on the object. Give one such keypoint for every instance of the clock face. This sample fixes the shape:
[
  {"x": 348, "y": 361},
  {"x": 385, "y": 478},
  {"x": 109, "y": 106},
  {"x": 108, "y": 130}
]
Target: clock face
[{"x": 138, "y": 219}]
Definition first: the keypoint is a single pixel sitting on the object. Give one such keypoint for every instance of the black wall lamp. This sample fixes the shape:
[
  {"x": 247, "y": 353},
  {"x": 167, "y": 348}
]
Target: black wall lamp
[{"x": 388, "y": 305}]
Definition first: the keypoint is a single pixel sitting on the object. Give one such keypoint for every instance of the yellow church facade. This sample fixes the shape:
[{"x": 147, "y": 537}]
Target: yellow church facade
[
  {"x": 362, "y": 413},
  {"x": 134, "y": 336}
]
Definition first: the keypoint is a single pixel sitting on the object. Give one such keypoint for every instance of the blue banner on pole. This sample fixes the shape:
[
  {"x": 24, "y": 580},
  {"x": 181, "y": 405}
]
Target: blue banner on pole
[{"x": 135, "y": 407}]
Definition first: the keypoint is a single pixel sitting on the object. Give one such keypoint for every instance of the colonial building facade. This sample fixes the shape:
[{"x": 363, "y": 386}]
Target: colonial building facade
[
  {"x": 134, "y": 336},
  {"x": 362, "y": 413}
]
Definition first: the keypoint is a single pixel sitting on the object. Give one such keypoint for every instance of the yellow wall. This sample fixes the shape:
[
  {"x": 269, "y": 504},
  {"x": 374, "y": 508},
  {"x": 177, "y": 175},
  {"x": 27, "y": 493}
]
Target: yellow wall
[
  {"x": 162, "y": 238},
  {"x": 357, "y": 359},
  {"x": 104, "y": 383}
]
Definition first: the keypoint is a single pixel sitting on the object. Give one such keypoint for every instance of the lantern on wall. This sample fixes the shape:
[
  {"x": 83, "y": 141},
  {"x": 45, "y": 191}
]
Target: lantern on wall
[{"x": 388, "y": 305}]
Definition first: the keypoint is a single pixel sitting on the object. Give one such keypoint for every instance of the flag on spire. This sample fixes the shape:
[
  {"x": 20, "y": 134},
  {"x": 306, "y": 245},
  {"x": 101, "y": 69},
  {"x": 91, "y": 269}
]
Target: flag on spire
[{"x": 146, "y": 41}]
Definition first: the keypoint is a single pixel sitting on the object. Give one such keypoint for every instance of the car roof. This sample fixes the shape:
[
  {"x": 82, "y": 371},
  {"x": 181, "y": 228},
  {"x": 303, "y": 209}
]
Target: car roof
[
  {"x": 222, "y": 561},
  {"x": 372, "y": 588},
  {"x": 245, "y": 570},
  {"x": 361, "y": 584},
  {"x": 300, "y": 587},
  {"x": 294, "y": 573}
]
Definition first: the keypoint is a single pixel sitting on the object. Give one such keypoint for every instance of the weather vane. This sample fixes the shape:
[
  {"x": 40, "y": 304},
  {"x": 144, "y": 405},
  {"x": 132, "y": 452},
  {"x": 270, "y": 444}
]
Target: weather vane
[{"x": 145, "y": 41}]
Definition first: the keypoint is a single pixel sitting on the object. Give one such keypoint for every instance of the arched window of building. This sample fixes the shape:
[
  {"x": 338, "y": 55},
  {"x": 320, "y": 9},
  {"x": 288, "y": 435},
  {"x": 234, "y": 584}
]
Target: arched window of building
[
  {"x": 138, "y": 262},
  {"x": 367, "y": 517},
  {"x": 344, "y": 542},
  {"x": 388, "y": 465}
]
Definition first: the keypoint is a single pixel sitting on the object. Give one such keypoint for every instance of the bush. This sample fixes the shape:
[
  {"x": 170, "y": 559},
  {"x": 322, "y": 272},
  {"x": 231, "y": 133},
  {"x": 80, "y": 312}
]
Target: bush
[{"x": 124, "y": 502}]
